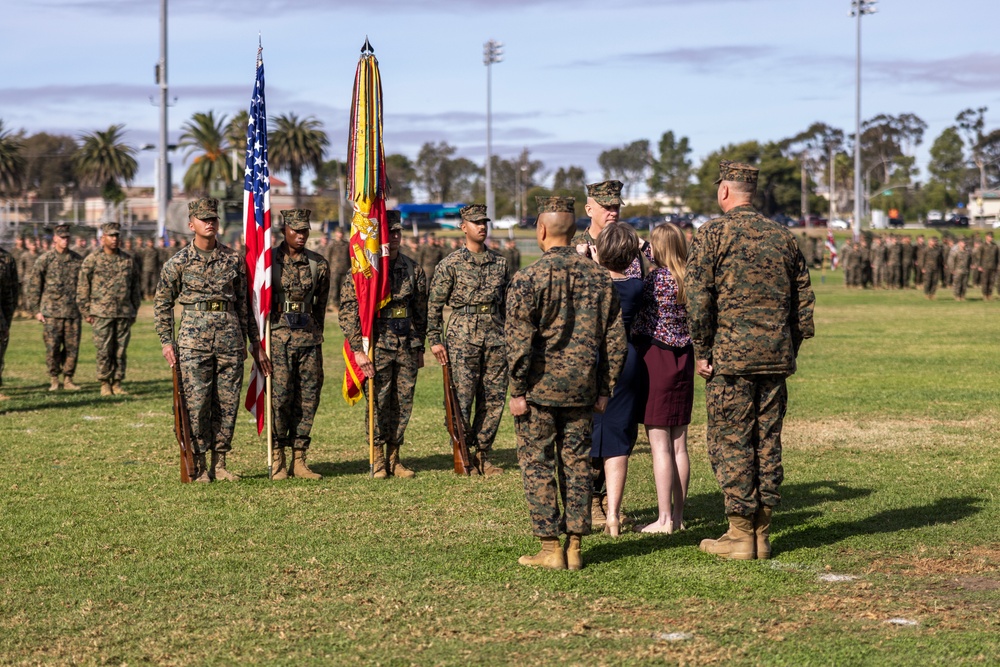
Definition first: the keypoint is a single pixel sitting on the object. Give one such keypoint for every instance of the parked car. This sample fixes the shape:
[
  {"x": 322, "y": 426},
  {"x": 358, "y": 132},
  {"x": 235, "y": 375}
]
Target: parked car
[
  {"x": 837, "y": 223},
  {"x": 934, "y": 216},
  {"x": 954, "y": 221},
  {"x": 814, "y": 221},
  {"x": 785, "y": 220}
]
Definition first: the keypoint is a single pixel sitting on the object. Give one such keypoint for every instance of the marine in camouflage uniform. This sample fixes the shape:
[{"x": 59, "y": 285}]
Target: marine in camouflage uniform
[
  {"x": 750, "y": 306},
  {"x": 300, "y": 288},
  {"x": 513, "y": 257},
  {"x": 429, "y": 255},
  {"x": 9, "y": 291},
  {"x": 473, "y": 282},
  {"x": 52, "y": 296},
  {"x": 932, "y": 267},
  {"x": 210, "y": 281},
  {"x": 25, "y": 271},
  {"x": 960, "y": 268},
  {"x": 338, "y": 256},
  {"x": 909, "y": 265},
  {"x": 565, "y": 347},
  {"x": 895, "y": 263},
  {"x": 109, "y": 293},
  {"x": 396, "y": 353},
  {"x": 988, "y": 266},
  {"x": 151, "y": 266}
]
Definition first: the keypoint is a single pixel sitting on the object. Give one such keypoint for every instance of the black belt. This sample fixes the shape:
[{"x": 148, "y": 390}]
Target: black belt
[
  {"x": 477, "y": 309},
  {"x": 292, "y": 307},
  {"x": 208, "y": 306},
  {"x": 396, "y": 312}
]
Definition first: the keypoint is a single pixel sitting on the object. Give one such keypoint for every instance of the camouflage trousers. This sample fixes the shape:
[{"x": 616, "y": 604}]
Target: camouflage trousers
[
  {"x": 111, "y": 336},
  {"x": 931, "y": 280},
  {"x": 149, "y": 281},
  {"x": 296, "y": 382},
  {"x": 4, "y": 340},
  {"x": 480, "y": 375},
  {"x": 395, "y": 380},
  {"x": 987, "y": 282},
  {"x": 745, "y": 414},
  {"x": 336, "y": 283},
  {"x": 553, "y": 444},
  {"x": 895, "y": 276},
  {"x": 211, "y": 383},
  {"x": 959, "y": 284},
  {"x": 62, "y": 344}
]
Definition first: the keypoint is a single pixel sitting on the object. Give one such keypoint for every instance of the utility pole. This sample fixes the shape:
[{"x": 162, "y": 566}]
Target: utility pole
[
  {"x": 163, "y": 170},
  {"x": 804, "y": 201},
  {"x": 858, "y": 9},
  {"x": 833, "y": 185},
  {"x": 492, "y": 54}
]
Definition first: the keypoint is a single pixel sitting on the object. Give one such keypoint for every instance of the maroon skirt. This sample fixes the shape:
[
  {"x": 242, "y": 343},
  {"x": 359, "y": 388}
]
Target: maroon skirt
[{"x": 671, "y": 385}]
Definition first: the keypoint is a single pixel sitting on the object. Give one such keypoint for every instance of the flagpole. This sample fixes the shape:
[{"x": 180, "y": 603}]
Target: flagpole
[
  {"x": 371, "y": 424},
  {"x": 267, "y": 401}
]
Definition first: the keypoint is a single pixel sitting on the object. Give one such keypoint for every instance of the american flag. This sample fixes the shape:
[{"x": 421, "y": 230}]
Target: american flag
[
  {"x": 831, "y": 246},
  {"x": 257, "y": 230}
]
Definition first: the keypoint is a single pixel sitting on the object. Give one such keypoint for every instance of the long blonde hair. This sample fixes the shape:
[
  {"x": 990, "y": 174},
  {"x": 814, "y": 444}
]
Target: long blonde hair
[{"x": 670, "y": 250}]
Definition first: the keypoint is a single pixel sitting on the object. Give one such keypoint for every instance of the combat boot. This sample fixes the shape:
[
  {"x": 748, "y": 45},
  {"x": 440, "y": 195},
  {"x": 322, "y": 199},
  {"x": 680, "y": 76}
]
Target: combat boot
[
  {"x": 397, "y": 469},
  {"x": 484, "y": 466},
  {"x": 106, "y": 388},
  {"x": 597, "y": 516},
  {"x": 117, "y": 389},
  {"x": 378, "y": 468},
  {"x": 278, "y": 470},
  {"x": 299, "y": 468},
  {"x": 201, "y": 470},
  {"x": 762, "y": 532},
  {"x": 54, "y": 385},
  {"x": 219, "y": 468},
  {"x": 551, "y": 556},
  {"x": 738, "y": 543},
  {"x": 574, "y": 558},
  {"x": 69, "y": 385}
]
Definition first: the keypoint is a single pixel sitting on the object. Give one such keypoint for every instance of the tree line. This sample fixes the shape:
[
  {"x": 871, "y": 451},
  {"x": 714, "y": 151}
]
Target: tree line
[{"x": 797, "y": 173}]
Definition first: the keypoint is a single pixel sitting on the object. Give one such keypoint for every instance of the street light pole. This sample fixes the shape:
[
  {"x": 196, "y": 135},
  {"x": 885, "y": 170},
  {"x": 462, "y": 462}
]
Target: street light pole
[
  {"x": 858, "y": 9},
  {"x": 492, "y": 54},
  {"x": 163, "y": 171}
]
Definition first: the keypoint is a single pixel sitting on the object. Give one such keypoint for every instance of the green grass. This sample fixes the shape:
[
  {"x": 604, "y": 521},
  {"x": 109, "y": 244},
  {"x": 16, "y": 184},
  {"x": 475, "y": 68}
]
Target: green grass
[{"x": 891, "y": 462}]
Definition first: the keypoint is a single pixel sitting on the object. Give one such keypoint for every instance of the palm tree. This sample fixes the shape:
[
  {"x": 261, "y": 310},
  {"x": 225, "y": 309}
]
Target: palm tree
[
  {"x": 12, "y": 163},
  {"x": 105, "y": 161},
  {"x": 236, "y": 132},
  {"x": 206, "y": 138},
  {"x": 295, "y": 144}
]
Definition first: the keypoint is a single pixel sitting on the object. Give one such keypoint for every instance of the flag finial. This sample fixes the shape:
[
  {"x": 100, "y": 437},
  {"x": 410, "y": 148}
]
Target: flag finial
[{"x": 367, "y": 48}]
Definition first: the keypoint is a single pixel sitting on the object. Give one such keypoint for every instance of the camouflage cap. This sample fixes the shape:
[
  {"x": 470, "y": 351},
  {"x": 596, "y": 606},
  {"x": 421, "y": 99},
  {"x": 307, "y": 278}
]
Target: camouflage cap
[
  {"x": 205, "y": 208},
  {"x": 297, "y": 219},
  {"x": 474, "y": 213},
  {"x": 61, "y": 230},
  {"x": 606, "y": 193},
  {"x": 555, "y": 204},
  {"x": 395, "y": 220},
  {"x": 736, "y": 172},
  {"x": 111, "y": 229}
]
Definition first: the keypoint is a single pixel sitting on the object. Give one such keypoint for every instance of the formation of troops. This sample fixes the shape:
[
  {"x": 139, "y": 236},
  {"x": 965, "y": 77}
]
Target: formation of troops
[{"x": 550, "y": 336}]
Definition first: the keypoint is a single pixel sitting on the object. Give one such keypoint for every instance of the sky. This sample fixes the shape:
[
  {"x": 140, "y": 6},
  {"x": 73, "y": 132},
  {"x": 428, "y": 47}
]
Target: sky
[{"x": 578, "y": 76}]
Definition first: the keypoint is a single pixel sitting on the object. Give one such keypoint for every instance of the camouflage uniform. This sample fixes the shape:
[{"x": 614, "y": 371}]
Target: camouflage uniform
[
  {"x": 750, "y": 306},
  {"x": 53, "y": 294},
  {"x": 151, "y": 266},
  {"x": 513, "y": 257},
  {"x": 565, "y": 346},
  {"x": 109, "y": 290},
  {"x": 338, "y": 256},
  {"x": 300, "y": 290},
  {"x": 909, "y": 264},
  {"x": 895, "y": 264},
  {"x": 989, "y": 262},
  {"x": 918, "y": 261},
  {"x": 961, "y": 264},
  {"x": 474, "y": 286},
  {"x": 25, "y": 270},
  {"x": 399, "y": 333},
  {"x": 211, "y": 340},
  {"x": 429, "y": 256},
  {"x": 932, "y": 268},
  {"x": 8, "y": 301}
]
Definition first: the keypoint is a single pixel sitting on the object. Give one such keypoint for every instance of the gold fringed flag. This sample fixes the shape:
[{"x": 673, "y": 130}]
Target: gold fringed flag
[{"x": 369, "y": 227}]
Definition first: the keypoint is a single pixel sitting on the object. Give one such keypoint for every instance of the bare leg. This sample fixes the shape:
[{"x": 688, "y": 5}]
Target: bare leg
[
  {"x": 615, "y": 470},
  {"x": 682, "y": 473},
  {"x": 663, "y": 475}
]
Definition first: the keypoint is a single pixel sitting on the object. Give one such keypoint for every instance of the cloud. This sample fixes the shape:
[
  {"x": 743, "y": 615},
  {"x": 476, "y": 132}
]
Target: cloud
[
  {"x": 112, "y": 93},
  {"x": 973, "y": 72},
  {"x": 702, "y": 59}
]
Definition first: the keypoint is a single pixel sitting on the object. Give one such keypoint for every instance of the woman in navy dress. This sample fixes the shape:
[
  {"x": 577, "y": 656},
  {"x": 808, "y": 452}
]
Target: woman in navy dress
[{"x": 616, "y": 429}]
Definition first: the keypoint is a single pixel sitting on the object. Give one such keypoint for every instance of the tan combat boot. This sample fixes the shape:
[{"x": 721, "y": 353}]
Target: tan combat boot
[
  {"x": 278, "y": 470},
  {"x": 201, "y": 470},
  {"x": 106, "y": 388},
  {"x": 574, "y": 558},
  {"x": 738, "y": 543},
  {"x": 69, "y": 385},
  {"x": 762, "y": 532},
  {"x": 484, "y": 466},
  {"x": 54, "y": 385},
  {"x": 551, "y": 556},
  {"x": 299, "y": 468},
  {"x": 117, "y": 389},
  {"x": 379, "y": 469},
  {"x": 597, "y": 516},
  {"x": 219, "y": 468},
  {"x": 397, "y": 469}
]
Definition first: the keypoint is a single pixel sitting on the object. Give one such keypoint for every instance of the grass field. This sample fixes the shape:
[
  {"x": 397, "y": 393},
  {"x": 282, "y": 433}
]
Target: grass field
[{"x": 890, "y": 511}]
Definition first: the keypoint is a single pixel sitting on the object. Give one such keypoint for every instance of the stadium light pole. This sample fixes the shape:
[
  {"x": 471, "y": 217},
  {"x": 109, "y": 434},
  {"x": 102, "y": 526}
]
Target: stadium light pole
[
  {"x": 163, "y": 171},
  {"x": 858, "y": 9},
  {"x": 492, "y": 54}
]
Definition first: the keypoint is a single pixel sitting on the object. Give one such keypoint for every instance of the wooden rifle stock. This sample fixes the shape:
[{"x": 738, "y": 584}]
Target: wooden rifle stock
[
  {"x": 182, "y": 428},
  {"x": 456, "y": 427}
]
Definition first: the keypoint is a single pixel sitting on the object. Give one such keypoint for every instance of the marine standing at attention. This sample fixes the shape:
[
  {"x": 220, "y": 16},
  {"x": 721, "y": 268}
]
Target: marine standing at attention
[
  {"x": 750, "y": 306},
  {"x": 9, "y": 292},
  {"x": 210, "y": 281},
  {"x": 565, "y": 347},
  {"x": 300, "y": 287},
  {"x": 473, "y": 282}
]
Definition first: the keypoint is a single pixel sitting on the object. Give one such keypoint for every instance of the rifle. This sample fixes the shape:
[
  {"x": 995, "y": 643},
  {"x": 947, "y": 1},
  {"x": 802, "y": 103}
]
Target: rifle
[
  {"x": 456, "y": 426},
  {"x": 182, "y": 428}
]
